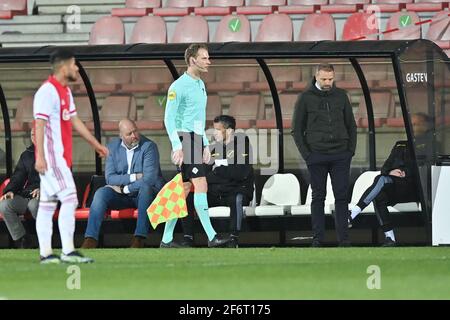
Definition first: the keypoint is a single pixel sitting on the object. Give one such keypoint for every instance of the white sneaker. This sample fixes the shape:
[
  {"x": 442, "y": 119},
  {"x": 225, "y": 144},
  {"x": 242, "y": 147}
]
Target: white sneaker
[
  {"x": 50, "y": 259},
  {"x": 75, "y": 257}
]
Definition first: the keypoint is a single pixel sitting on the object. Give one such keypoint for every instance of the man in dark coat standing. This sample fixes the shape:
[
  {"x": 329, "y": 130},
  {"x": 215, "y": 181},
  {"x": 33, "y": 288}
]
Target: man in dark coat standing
[{"x": 324, "y": 130}]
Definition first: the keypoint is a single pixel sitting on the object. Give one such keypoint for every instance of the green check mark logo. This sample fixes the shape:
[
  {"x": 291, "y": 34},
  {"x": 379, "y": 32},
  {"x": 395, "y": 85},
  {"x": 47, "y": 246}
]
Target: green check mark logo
[
  {"x": 161, "y": 100},
  {"x": 405, "y": 21},
  {"x": 234, "y": 25}
]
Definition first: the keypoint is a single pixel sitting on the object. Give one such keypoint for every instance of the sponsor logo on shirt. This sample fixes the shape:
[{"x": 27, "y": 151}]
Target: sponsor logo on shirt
[
  {"x": 172, "y": 95},
  {"x": 66, "y": 115}
]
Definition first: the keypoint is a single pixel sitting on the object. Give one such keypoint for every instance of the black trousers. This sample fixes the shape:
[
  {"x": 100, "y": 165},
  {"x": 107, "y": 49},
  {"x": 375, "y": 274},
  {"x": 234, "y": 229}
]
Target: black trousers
[
  {"x": 338, "y": 166},
  {"x": 236, "y": 202},
  {"x": 388, "y": 191}
]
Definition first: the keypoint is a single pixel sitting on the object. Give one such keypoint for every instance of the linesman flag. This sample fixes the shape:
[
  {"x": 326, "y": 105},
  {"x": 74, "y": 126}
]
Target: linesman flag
[{"x": 170, "y": 203}]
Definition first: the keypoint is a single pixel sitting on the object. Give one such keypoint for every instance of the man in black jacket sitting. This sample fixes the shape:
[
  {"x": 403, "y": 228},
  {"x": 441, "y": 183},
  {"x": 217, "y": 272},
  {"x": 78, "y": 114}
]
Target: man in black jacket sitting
[
  {"x": 21, "y": 194},
  {"x": 231, "y": 179},
  {"x": 398, "y": 182}
]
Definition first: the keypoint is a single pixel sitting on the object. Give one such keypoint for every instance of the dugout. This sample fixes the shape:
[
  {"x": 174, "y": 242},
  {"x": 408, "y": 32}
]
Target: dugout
[{"x": 258, "y": 83}]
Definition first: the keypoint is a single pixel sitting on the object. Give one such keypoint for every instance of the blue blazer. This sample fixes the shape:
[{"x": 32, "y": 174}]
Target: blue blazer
[{"x": 145, "y": 160}]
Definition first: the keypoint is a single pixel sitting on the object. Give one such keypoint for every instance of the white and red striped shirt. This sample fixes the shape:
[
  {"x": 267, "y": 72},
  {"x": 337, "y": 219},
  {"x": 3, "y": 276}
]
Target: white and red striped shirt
[{"x": 54, "y": 103}]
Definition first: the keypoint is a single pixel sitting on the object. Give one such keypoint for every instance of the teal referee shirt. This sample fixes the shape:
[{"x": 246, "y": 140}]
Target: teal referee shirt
[{"x": 186, "y": 109}]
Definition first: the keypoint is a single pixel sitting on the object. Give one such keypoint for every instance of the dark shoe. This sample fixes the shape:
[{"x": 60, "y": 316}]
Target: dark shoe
[
  {"x": 388, "y": 242},
  {"x": 89, "y": 243},
  {"x": 350, "y": 220},
  {"x": 171, "y": 244},
  {"x": 137, "y": 242},
  {"x": 345, "y": 244},
  {"x": 218, "y": 241},
  {"x": 316, "y": 244},
  {"x": 23, "y": 243},
  {"x": 188, "y": 242},
  {"x": 233, "y": 243}
]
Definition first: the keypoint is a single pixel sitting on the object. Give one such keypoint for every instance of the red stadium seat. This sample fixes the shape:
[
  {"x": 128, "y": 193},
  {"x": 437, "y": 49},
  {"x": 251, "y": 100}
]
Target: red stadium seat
[
  {"x": 24, "y": 115},
  {"x": 287, "y": 102},
  {"x": 191, "y": 29},
  {"x": 219, "y": 7},
  {"x": 130, "y": 213},
  {"x": 153, "y": 78},
  {"x": 404, "y": 21},
  {"x": 275, "y": 27},
  {"x": 136, "y": 8},
  {"x": 344, "y": 6},
  {"x": 246, "y": 109},
  {"x": 152, "y": 117},
  {"x": 178, "y": 8},
  {"x": 116, "y": 108},
  {"x": 84, "y": 111},
  {"x": 10, "y": 8},
  {"x": 233, "y": 78},
  {"x": 214, "y": 107},
  {"x": 261, "y": 7},
  {"x": 108, "y": 79},
  {"x": 233, "y": 28},
  {"x": 388, "y": 5},
  {"x": 439, "y": 30},
  {"x": 141, "y": 29},
  {"x": 107, "y": 30},
  {"x": 383, "y": 104},
  {"x": 283, "y": 75},
  {"x": 3, "y": 186},
  {"x": 302, "y": 6},
  {"x": 318, "y": 26},
  {"x": 427, "y": 5},
  {"x": 360, "y": 25}
]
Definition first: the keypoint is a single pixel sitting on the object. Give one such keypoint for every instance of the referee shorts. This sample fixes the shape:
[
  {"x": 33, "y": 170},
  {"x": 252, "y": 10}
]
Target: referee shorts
[{"x": 193, "y": 166}]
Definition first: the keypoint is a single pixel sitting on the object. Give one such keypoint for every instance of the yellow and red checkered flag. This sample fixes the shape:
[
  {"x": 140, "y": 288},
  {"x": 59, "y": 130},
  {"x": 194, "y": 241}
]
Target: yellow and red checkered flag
[{"x": 170, "y": 203}]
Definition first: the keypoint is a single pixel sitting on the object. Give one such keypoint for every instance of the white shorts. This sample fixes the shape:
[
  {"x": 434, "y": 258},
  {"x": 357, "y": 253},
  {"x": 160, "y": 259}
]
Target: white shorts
[{"x": 56, "y": 184}]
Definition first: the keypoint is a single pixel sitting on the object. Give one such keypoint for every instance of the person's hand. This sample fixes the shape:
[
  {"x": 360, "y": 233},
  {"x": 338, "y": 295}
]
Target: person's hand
[
  {"x": 177, "y": 157},
  {"x": 115, "y": 188},
  {"x": 102, "y": 151},
  {"x": 35, "y": 193},
  {"x": 139, "y": 176},
  {"x": 397, "y": 173},
  {"x": 8, "y": 195},
  {"x": 206, "y": 155},
  {"x": 40, "y": 165}
]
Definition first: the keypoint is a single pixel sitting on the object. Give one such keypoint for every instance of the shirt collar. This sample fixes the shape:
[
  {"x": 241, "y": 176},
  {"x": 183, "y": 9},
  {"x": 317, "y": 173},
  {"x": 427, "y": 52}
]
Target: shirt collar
[
  {"x": 126, "y": 148},
  {"x": 318, "y": 87}
]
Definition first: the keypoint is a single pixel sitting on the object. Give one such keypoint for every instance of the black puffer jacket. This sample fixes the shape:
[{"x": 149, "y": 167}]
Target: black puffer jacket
[
  {"x": 323, "y": 122},
  {"x": 400, "y": 158},
  {"x": 25, "y": 178},
  {"x": 238, "y": 176}
]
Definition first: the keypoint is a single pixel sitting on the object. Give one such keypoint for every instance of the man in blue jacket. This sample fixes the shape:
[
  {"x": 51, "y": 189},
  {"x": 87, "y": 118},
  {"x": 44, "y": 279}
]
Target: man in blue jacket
[{"x": 133, "y": 178}]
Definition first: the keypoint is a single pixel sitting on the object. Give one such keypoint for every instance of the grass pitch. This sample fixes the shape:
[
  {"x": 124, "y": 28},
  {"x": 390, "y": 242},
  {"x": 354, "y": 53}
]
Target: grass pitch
[{"x": 247, "y": 273}]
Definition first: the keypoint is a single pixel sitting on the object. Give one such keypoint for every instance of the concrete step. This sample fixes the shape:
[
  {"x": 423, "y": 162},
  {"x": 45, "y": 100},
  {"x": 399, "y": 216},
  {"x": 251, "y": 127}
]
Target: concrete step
[
  {"x": 43, "y": 44},
  {"x": 43, "y": 38},
  {"x": 78, "y": 2},
  {"x": 31, "y": 28},
  {"x": 41, "y": 19}
]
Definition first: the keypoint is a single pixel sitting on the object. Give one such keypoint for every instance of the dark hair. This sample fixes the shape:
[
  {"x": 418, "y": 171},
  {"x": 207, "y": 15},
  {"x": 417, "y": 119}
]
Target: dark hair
[
  {"x": 325, "y": 67},
  {"x": 60, "y": 55},
  {"x": 192, "y": 51},
  {"x": 227, "y": 121}
]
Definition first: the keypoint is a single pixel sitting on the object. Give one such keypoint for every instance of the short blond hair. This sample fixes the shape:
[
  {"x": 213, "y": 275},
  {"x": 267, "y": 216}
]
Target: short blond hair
[{"x": 192, "y": 51}]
